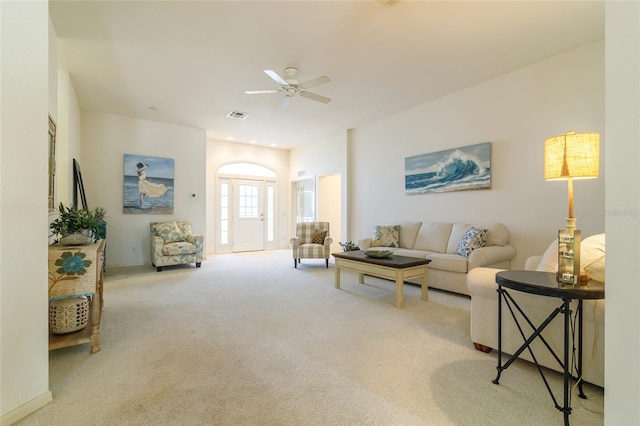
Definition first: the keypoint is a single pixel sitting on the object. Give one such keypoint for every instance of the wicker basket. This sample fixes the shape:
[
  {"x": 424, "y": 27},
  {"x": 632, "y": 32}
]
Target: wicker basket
[{"x": 68, "y": 315}]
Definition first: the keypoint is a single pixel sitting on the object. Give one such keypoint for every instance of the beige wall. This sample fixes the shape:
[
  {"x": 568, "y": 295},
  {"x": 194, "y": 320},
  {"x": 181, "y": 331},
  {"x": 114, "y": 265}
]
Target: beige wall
[
  {"x": 24, "y": 107},
  {"x": 105, "y": 140},
  {"x": 330, "y": 207},
  {"x": 622, "y": 316},
  {"x": 516, "y": 113},
  {"x": 67, "y": 138},
  {"x": 325, "y": 158}
]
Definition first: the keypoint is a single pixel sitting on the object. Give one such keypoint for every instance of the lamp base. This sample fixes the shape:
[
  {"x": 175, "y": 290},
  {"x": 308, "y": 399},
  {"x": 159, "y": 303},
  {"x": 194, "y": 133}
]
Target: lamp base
[
  {"x": 569, "y": 255},
  {"x": 571, "y": 225}
]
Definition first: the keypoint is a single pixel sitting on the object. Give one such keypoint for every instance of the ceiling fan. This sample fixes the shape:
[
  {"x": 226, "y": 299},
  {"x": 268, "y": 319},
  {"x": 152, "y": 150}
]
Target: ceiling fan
[{"x": 292, "y": 87}]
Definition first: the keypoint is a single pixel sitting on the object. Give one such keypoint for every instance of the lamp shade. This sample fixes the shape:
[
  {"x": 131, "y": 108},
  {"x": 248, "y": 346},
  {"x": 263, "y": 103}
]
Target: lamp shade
[{"x": 572, "y": 156}]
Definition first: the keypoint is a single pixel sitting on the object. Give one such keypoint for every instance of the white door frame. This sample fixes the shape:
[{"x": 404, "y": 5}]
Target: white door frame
[{"x": 225, "y": 210}]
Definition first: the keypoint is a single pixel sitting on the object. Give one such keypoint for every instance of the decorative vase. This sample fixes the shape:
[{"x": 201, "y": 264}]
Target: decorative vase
[{"x": 81, "y": 238}]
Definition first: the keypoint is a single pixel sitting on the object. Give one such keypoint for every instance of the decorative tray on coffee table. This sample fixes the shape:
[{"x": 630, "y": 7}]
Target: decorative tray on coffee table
[{"x": 378, "y": 253}]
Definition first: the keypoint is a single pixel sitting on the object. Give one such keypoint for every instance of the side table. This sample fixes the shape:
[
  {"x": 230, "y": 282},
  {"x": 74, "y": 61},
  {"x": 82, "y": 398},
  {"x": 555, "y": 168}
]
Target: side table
[{"x": 545, "y": 284}]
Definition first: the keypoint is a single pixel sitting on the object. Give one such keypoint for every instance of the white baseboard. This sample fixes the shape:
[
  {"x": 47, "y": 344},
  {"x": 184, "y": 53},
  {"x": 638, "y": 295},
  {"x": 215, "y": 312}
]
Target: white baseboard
[{"x": 25, "y": 409}]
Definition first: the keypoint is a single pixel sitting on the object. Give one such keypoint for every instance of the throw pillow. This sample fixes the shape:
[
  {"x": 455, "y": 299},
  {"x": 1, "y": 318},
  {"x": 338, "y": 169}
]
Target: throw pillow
[
  {"x": 592, "y": 256},
  {"x": 549, "y": 260},
  {"x": 386, "y": 236},
  {"x": 473, "y": 238},
  {"x": 185, "y": 229},
  {"x": 318, "y": 236},
  {"x": 169, "y": 232}
]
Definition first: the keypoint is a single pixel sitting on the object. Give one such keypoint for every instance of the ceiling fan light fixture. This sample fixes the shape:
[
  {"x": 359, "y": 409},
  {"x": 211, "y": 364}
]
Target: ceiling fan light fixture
[{"x": 291, "y": 87}]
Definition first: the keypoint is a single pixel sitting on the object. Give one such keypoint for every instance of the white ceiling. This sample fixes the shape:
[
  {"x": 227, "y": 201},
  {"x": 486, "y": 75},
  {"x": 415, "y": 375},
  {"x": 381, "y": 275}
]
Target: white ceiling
[{"x": 194, "y": 60}]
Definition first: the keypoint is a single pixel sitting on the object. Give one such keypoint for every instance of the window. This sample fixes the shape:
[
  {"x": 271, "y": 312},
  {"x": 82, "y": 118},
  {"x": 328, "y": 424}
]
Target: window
[
  {"x": 305, "y": 200},
  {"x": 224, "y": 213},
  {"x": 270, "y": 212},
  {"x": 248, "y": 206}
]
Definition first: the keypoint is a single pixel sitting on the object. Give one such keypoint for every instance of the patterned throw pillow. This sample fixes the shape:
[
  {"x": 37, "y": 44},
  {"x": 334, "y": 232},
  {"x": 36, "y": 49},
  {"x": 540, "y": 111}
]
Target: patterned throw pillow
[
  {"x": 473, "y": 238},
  {"x": 169, "y": 232},
  {"x": 185, "y": 229},
  {"x": 318, "y": 236},
  {"x": 386, "y": 236}
]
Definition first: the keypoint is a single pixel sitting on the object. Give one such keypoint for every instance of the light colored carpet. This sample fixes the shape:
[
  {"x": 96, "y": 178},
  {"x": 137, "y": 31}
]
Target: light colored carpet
[{"x": 248, "y": 340}]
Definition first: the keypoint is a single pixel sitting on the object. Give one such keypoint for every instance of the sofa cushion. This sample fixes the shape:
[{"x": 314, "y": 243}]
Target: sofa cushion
[
  {"x": 385, "y": 236},
  {"x": 318, "y": 236},
  {"x": 457, "y": 231},
  {"x": 178, "y": 248},
  {"x": 408, "y": 234},
  {"x": 422, "y": 254},
  {"x": 433, "y": 237},
  {"x": 473, "y": 238},
  {"x": 448, "y": 262}
]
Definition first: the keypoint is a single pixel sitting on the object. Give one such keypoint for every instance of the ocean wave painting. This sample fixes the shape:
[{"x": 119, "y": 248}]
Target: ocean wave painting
[{"x": 456, "y": 169}]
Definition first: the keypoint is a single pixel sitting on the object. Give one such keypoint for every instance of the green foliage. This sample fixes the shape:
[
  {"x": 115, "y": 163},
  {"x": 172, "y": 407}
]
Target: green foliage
[
  {"x": 71, "y": 220},
  {"x": 349, "y": 246}
]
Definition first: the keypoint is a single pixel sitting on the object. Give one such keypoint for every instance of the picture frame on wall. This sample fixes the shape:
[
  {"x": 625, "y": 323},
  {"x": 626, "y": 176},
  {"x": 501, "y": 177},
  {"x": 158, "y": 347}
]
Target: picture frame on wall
[
  {"x": 458, "y": 169},
  {"x": 148, "y": 185}
]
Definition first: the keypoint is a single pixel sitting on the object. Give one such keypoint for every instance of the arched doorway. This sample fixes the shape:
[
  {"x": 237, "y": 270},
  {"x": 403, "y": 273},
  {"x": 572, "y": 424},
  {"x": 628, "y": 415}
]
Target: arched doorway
[{"x": 246, "y": 208}]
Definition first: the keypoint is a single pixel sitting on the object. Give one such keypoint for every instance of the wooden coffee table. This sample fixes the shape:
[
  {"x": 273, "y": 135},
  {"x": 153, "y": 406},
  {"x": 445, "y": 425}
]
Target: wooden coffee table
[{"x": 397, "y": 268}]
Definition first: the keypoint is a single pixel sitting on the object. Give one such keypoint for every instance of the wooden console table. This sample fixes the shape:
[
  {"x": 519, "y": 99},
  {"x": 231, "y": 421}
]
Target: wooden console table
[{"x": 77, "y": 271}]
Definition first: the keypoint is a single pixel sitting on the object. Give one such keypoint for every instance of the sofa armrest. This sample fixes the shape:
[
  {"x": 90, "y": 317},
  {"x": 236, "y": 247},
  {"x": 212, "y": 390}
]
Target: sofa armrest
[
  {"x": 327, "y": 242},
  {"x": 491, "y": 255},
  {"x": 295, "y": 242},
  {"x": 364, "y": 243},
  {"x": 157, "y": 243},
  {"x": 482, "y": 282},
  {"x": 198, "y": 241},
  {"x": 195, "y": 239},
  {"x": 532, "y": 262}
]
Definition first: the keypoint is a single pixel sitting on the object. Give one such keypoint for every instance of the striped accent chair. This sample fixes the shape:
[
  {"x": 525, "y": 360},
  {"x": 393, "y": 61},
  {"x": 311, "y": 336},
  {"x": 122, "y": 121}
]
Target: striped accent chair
[{"x": 312, "y": 241}]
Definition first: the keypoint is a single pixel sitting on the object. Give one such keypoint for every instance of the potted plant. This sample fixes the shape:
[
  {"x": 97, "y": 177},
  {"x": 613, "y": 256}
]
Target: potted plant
[
  {"x": 349, "y": 246},
  {"x": 99, "y": 214},
  {"x": 75, "y": 226}
]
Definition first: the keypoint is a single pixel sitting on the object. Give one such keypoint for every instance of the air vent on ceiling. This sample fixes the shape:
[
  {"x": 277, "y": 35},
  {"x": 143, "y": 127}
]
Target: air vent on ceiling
[{"x": 237, "y": 114}]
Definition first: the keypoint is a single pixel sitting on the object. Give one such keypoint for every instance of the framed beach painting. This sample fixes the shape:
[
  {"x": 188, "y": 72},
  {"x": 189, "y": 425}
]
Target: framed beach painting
[
  {"x": 455, "y": 169},
  {"x": 148, "y": 185}
]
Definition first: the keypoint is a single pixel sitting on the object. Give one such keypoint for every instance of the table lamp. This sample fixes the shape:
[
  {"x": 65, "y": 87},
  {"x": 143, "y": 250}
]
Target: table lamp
[
  {"x": 572, "y": 156},
  {"x": 568, "y": 157}
]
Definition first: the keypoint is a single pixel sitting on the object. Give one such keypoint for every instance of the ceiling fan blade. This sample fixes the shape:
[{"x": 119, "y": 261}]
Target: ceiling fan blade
[
  {"x": 315, "y": 97},
  {"x": 274, "y": 75},
  {"x": 315, "y": 82},
  {"x": 260, "y": 92},
  {"x": 286, "y": 101}
]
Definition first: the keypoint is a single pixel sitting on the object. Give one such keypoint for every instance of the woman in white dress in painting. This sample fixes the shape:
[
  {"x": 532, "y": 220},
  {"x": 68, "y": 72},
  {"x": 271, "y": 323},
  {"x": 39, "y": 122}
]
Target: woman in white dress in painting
[{"x": 147, "y": 188}]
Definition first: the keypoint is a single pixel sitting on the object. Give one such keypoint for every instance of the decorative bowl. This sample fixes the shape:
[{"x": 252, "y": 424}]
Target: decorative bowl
[
  {"x": 378, "y": 253},
  {"x": 76, "y": 239}
]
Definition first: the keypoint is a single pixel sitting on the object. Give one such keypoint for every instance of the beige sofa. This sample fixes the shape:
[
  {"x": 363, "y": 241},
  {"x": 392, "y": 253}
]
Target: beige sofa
[
  {"x": 439, "y": 242},
  {"x": 484, "y": 313}
]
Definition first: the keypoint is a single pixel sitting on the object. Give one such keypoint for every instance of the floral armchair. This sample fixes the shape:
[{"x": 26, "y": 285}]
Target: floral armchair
[
  {"x": 172, "y": 243},
  {"x": 312, "y": 241}
]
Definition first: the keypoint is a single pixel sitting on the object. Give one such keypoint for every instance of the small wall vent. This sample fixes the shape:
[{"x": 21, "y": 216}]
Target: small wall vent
[{"x": 238, "y": 115}]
